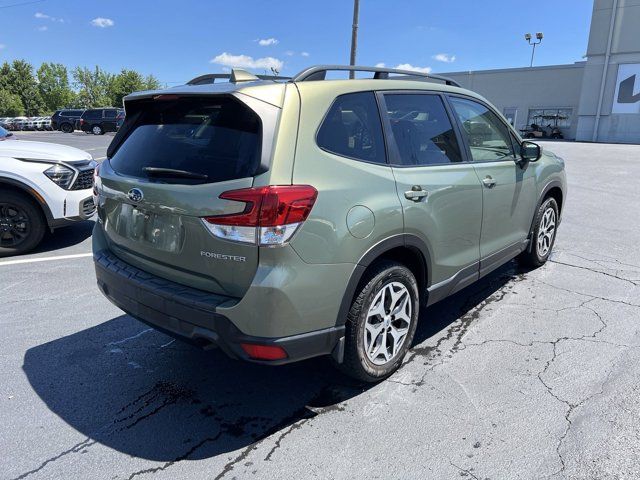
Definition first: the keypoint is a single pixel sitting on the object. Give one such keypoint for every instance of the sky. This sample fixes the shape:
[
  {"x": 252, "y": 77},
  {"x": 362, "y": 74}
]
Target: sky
[{"x": 179, "y": 40}]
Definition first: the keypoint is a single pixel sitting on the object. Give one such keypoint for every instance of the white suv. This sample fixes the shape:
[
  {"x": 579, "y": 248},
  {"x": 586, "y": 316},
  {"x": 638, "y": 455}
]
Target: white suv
[{"x": 42, "y": 185}]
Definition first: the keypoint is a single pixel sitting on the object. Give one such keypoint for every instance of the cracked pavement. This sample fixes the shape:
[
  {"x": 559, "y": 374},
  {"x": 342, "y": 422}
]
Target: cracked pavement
[{"x": 527, "y": 374}]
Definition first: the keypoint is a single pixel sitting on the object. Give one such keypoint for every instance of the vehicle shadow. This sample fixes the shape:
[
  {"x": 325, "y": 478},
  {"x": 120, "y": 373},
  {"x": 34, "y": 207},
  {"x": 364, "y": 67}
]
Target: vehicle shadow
[
  {"x": 141, "y": 393},
  {"x": 65, "y": 237}
]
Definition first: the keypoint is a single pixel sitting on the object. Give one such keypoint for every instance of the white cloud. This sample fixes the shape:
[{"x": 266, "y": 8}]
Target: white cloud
[
  {"x": 289, "y": 53},
  {"x": 444, "y": 57},
  {"x": 101, "y": 22},
  {"x": 245, "y": 61},
  {"x": 44, "y": 16},
  {"x": 381, "y": 64},
  {"x": 408, "y": 66},
  {"x": 43, "y": 28},
  {"x": 304, "y": 54},
  {"x": 2, "y": 46},
  {"x": 265, "y": 42}
]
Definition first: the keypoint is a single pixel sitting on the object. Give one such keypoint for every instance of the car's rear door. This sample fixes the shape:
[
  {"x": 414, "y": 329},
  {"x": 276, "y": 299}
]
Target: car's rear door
[
  {"x": 439, "y": 190},
  {"x": 509, "y": 187},
  {"x": 109, "y": 120},
  {"x": 173, "y": 159}
]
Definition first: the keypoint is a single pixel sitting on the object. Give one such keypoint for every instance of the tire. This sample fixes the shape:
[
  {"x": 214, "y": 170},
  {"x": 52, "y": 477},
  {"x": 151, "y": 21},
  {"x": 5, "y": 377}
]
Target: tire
[
  {"x": 66, "y": 128},
  {"x": 366, "y": 358},
  {"x": 97, "y": 130},
  {"x": 17, "y": 237},
  {"x": 544, "y": 235}
]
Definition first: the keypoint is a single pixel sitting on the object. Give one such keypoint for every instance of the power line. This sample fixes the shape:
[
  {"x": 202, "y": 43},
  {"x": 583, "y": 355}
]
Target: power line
[{"x": 22, "y": 3}]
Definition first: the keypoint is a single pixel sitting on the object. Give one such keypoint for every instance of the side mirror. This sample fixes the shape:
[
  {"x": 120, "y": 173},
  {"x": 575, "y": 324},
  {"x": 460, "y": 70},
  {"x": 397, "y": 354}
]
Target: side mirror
[{"x": 530, "y": 151}]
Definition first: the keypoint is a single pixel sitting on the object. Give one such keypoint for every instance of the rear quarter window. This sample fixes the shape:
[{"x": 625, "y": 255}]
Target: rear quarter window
[
  {"x": 352, "y": 128},
  {"x": 218, "y": 138}
]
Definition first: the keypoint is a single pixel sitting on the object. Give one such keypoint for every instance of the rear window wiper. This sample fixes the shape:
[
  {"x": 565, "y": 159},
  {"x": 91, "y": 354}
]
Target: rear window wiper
[{"x": 173, "y": 173}]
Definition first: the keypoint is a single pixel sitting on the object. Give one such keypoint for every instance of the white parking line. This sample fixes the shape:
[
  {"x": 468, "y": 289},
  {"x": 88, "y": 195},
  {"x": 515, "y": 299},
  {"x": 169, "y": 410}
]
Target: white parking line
[
  {"x": 100, "y": 158},
  {"x": 44, "y": 259}
]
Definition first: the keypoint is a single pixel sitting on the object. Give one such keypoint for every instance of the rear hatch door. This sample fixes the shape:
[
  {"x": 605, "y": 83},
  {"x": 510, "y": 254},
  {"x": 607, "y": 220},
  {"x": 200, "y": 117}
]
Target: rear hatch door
[{"x": 174, "y": 158}]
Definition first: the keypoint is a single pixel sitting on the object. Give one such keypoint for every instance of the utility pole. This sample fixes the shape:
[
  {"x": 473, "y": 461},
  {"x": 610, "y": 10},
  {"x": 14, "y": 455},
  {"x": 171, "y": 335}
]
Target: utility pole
[{"x": 354, "y": 35}]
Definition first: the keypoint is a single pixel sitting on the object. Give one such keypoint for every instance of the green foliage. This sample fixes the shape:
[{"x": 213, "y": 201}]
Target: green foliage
[
  {"x": 10, "y": 105},
  {"x": 129, "y": 81},
  {"x": 54, "y": 86},
  {"x": 27, "y": 94},
  {"x": 92, "y": 86},
  {"x": 19, "y": 80}
]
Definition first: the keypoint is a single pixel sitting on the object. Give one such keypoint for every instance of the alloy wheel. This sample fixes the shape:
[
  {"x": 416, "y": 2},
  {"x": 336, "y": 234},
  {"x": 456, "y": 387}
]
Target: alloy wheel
[
  {"x": 15, "y": 226},
  {"x": 546, "y": 231},
  {"x": 387, "y": 324}
]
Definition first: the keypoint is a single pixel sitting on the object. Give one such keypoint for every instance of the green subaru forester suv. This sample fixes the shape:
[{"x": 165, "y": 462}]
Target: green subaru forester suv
[{"x": 286, "y": 219}]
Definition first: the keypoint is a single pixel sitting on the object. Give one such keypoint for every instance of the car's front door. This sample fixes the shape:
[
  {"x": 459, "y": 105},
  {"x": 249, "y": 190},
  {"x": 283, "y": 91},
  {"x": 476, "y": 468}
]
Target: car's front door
[
  {"x": 509, "y": 187},
  {"x": 439, "y": 190}
]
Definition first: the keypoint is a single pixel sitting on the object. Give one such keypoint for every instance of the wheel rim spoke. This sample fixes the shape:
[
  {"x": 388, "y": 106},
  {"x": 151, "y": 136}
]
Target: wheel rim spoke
[
  {"x": 546, "y": 231},
  {"x": 388, "y": 322},
  {"x": 14, "y": 225}
]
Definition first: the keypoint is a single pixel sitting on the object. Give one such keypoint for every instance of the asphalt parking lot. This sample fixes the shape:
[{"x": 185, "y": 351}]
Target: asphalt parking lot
[{"x": 527, "y": 374}]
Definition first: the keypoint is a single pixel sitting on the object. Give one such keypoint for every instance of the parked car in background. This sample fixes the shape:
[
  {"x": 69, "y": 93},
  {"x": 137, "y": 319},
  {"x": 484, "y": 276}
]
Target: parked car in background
[
  {"x": 44, "y": 123},
  {"x": 19, "y": 123},
  {"x": 120, "y": 119},
  {"x": 42, "y": 186},
  {"x": 99, "y": 120},
  {"x": 283, "y": 221},
  {"x": 65, "y": 120}
]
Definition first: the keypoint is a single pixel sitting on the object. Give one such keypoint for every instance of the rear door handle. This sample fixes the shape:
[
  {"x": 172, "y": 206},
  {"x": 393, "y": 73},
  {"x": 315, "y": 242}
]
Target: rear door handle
[
  {"x": 489, "y": 182},
  {"x": 416, "y": 193}
]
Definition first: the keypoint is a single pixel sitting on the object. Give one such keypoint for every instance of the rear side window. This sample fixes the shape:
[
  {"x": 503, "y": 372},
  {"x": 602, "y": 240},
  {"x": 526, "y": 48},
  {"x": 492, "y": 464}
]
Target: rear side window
[
  {"x": 110, "y": 114},
  {"x": 215, "y": 138},
  {"x": 422, "y": 129},
  {"x": 92, "y": 115},
  {"x": 352, "y": 128}
]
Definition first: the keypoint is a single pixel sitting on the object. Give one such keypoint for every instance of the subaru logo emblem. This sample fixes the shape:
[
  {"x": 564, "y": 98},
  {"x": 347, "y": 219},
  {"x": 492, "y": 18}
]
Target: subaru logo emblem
[{"x": 135, "y": 195}]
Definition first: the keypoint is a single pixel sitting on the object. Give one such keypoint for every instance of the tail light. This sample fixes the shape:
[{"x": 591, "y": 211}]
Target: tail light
[{"x": 271, "y": 216}]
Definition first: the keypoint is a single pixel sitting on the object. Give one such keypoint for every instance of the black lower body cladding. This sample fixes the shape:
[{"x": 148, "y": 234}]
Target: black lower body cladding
[{"x": 190, "y": 314}]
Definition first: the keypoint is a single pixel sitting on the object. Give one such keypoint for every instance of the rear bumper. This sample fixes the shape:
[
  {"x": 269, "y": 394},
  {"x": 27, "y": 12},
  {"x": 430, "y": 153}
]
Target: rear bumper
[{"x": 192, "y": 315}]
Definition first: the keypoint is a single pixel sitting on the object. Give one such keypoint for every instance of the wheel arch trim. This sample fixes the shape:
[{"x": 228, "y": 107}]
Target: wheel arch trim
[
  {"x": 33, "y": 194},
  {"x": 402, "y": 240},
  {"x": 542, "y": 196}
]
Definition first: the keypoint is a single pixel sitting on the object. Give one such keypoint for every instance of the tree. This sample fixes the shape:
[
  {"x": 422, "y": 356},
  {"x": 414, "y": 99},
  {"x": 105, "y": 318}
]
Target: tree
[
  {"x": 18, "y": 79},
  {"x": 152, "y": 83},
  {"x": 10, "y": 105},
  {"x": 124, "y": 83},
  {"x": 54, "y": 86},
  {"x": 129, "y": 81},
  {"x": 93, "y": 87}
]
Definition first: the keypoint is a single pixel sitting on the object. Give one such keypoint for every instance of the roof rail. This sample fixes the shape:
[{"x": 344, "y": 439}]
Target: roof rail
[
  {"x": 319, "y": 72},
  {"x": 236, "y": 76}
]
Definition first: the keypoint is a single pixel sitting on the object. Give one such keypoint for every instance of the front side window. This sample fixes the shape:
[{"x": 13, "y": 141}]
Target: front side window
[
  {"x": 488, "y": 138},
  {"x": 352, "y": 128},
  {"x": 110, "y": 114},
  {"x": 422, "y": 130}
]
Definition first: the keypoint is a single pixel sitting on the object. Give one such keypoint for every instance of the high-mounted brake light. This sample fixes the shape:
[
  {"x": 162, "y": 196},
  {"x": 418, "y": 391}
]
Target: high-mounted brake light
[{"x": 271, "y": 216}]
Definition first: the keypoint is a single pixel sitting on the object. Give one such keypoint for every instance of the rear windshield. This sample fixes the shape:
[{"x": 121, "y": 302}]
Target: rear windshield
[{"x": 215, "y": 138}]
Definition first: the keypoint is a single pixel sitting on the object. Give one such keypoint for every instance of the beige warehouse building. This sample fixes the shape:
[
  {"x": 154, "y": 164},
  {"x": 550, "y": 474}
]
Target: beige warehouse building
[{"x": 593, "y": 100}]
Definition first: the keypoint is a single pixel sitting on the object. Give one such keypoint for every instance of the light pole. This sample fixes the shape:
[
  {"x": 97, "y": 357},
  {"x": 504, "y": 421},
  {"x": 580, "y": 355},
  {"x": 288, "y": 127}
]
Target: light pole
[
  {"x": 527, "y": 37},
  {"x": 354, "y": 35}
]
